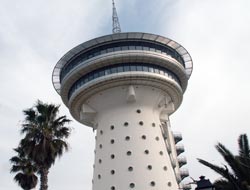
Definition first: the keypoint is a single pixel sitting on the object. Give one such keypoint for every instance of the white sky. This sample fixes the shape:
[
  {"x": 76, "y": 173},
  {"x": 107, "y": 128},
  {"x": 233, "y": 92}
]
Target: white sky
[{"x": 216, "y": 107}]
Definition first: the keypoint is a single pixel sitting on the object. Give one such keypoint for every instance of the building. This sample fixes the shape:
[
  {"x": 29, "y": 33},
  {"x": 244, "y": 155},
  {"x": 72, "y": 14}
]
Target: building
[{"x": 125, "y": 86}]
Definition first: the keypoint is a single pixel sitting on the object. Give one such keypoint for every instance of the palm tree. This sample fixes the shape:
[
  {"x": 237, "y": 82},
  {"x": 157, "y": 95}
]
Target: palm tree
[
  {"x": 45, "y": 134},
  {"x": 238, "y": 176},
  {"x": 25, "y": 170}
]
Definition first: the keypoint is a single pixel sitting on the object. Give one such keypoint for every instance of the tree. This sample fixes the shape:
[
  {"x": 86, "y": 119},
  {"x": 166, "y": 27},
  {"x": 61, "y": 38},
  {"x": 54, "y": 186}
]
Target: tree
[
  {"x": 45, "y": 137},
  {"x": 25, "y": 170},
  {"x": 237, "y": 177}
]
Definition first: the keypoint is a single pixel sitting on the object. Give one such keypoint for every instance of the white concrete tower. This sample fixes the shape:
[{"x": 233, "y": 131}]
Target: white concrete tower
[{"x": 125, "y": 86}]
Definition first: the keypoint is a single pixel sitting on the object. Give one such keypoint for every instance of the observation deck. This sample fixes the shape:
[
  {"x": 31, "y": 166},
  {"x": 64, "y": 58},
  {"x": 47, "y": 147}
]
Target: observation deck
[{"x": 122, "y": 59}]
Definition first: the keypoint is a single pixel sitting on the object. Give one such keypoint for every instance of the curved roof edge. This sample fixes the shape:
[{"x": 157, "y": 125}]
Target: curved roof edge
[{"x": 120, "y": 36}]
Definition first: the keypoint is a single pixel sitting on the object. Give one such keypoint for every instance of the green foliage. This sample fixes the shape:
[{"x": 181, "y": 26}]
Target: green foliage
[
  {"x": 25, "y": 169},
  {"x": 44, "y": 139},
  {"x": 238, "y": 176}
]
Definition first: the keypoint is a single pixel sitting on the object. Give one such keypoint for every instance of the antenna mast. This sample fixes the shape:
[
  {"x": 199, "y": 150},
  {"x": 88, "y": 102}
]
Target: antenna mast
[{"x": 116, "y": 24}]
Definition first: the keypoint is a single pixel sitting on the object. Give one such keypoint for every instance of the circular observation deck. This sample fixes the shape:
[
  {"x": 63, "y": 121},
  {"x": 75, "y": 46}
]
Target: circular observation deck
[{"x": 122, "y": 59}]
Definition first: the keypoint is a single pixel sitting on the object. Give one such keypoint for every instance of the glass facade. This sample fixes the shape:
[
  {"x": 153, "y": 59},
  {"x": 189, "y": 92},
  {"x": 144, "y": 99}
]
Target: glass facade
[
  {"x": 121, "y": 46},
  {"x": 118, "y": 68}
]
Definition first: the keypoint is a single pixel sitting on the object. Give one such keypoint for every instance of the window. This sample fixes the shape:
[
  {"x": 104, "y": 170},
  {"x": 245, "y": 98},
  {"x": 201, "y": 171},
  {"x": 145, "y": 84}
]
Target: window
[
  {"x": 114, "y": 70},
  {"x": 139, "y": 68},
  {"x": 127, "y": 138},
  {"x": 125, "y": 48},
  {"x": 131, "y": 47},
  {"x": 126, "y": 68},
  {"x": 129, "y": 153},
  {"x": 145, "y": 68},
  {"x": 152, "y": 183},
  {"x": 110, "y": 50},
  {"x": 117, "y": 48},
  {"x": 149, "y": 167},
  {"x": 120, "y": 69},
  {"x": 132, "y": 68},
  {"x": 131, "y": 185},
  {"x": 138, "y": 47},
  {"x": 130, "y": 168}
]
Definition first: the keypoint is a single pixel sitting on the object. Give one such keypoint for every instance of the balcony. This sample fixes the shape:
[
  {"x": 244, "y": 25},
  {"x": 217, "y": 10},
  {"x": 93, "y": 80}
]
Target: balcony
[
  {"x": 177, "y": 137},
  {"x": 186, "y": 187},
  {"x": 184, "y": 173},
  {"x": 179, "y": 149},
  {"x": 182, "y": 161}
]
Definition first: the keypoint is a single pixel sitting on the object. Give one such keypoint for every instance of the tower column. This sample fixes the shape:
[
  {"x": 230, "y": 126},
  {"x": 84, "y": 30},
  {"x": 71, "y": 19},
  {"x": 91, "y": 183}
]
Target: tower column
[{"x": 130, "y": 149}]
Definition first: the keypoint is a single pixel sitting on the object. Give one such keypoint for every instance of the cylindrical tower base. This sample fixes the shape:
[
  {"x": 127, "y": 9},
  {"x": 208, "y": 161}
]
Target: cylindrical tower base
[{"x": 130, "y": 148}]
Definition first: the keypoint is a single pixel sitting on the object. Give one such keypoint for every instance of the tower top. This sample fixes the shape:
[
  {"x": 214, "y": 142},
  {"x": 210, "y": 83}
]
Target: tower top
[{"x": 116, "y": 24}]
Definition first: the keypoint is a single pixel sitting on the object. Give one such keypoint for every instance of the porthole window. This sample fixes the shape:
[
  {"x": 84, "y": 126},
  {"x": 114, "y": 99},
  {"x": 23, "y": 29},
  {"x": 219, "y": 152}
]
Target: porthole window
[
  {"x": 126, "y": 124},
  {"x": 131, "y": 185},
  {"x": 130, "y": 168},
  {"x": 169, "y": 184},
  {"x": 153, "y": 124},
  {"x": 101, "y": 132},
  {"x": 152, "y": 183},
  {"x": 129, "y": 153},
  {"x": 112, "y": 141},
  {"x": 138, "y": 111},
  {"x": 100, "y": 161},
  {"x": 161, "y": 153},
  {"x": 112, "y": 156},
  {"x": 143, "y": 137},
  {"x": 146, "y": 151},
  {"x": 112, "y": 127},
  {"x": 99, "y": 176},
  {"x": 112, "y": 188},
  {"x": 149, "y": 167},
  {"x": 165, "y": 168},
  {"x": 100, "y": 146},
  {"x": 157, "y": 138},
  {"x": 141, "y": 122},
  {"x": 112, "y": 172},
  {"x": 127, "y": 138}
]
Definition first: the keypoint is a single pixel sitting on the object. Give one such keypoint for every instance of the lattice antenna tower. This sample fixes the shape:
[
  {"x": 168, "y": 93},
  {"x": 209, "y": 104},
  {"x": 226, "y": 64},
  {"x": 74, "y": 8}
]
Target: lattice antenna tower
[{"x": 116, "y": 24}]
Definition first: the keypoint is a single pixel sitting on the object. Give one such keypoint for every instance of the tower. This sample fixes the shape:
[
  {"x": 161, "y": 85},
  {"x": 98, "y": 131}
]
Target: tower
[{"x": 125, "y": 86}]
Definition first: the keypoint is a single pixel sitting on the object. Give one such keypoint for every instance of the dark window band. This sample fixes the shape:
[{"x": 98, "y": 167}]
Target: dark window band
[
  {"x": 121, "y": 46},
  {"x": 125, "y": 67}
]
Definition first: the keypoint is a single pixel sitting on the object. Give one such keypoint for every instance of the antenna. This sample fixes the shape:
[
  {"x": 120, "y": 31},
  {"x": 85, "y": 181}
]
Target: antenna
[{"x": 116, "y": 24}]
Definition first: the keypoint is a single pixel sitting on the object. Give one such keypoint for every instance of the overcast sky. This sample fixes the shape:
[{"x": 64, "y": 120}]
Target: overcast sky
[{"x": 34, "y": 35}]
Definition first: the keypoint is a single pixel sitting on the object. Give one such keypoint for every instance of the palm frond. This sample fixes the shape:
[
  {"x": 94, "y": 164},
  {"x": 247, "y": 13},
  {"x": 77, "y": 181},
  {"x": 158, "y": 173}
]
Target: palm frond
[{"x": 220, "y": 170}]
